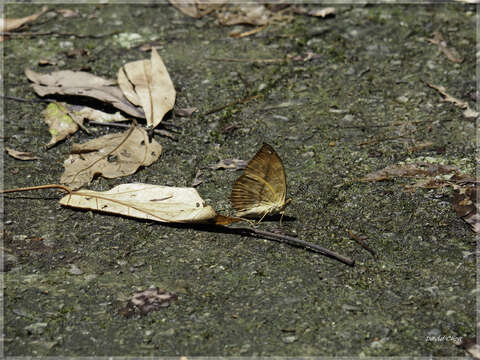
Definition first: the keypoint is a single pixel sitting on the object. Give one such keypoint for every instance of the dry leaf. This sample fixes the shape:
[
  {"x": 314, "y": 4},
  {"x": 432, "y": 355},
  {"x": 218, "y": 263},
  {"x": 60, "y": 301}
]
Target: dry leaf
[
  {"x": 468, "y": 113},
  {"x": 146, "y": 83},
  {"x": 111, "y": 156},
  {"x": 67, "y": 13},
  {"x": 20, "y": 155},
  {"x": 145, "y": 201},
  {"x": 197, "y": 8},
  {"x": 229, "y": 164},
  {"x": 145, "y": 301},
  {"x": 59, "y": 121},
  {"x": 79, "y": 83},
  {"x": 13, "y": 24},
  {"x": 324, "y": 12},
  {"x": 465, "y": 202},
  {"x": 80, "y": 113}
]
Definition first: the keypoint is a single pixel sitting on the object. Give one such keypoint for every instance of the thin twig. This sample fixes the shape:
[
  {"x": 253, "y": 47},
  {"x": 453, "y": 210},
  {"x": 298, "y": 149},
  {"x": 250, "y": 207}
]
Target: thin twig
[
  {"x": 239, "y": 101},
  {"x": 362, "y": 243},
  {"x": 48, "y": 33},
  {"x": 296, "y": 242},
  {"x": 261, "y": 61},
  {"x": 113, "y": 124},
  {"x": 8, "y": 97}
]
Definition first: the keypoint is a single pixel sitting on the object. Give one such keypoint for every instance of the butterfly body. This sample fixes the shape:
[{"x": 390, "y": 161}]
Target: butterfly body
[{"x": 262, "y": 188}]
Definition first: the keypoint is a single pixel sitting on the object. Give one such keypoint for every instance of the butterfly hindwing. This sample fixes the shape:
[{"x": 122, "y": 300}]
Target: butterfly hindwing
[{"x": 262, "y": 187}]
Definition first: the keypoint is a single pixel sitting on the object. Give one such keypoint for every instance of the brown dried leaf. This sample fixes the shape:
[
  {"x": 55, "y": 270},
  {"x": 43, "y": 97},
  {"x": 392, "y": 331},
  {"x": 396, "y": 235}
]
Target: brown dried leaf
[
  {"x": 13, "y": 24},
  {"x": 111, "y": 156},
  {"x": 230, "y": 164},
  {"x": 197, "y": 8},
  {"x": 145, "y": 201},
  {"x": 79, "y": 83},
  {"x": 465, "y": 202},
  {"x": 20, "y": 155},
  {"x": 146, "y": 83},
  {"x": 148, "y": 300}
]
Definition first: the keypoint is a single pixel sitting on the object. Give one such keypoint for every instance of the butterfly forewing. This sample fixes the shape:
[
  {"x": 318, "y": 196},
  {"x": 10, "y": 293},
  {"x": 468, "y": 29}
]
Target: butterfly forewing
[{"x": 262, "y": 188}]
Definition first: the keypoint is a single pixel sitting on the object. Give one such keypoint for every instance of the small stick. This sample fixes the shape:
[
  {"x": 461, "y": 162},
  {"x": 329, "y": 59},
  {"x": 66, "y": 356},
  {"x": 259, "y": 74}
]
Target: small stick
[
  {"x": 362, "y": 243},
  {"x": 239, "y": 101},
  {"x": 296, "y": 242},
  {"x": 113, "y": 124},
  {"x": 262, "y": 61},
  {"x": 49, "y": 186}
]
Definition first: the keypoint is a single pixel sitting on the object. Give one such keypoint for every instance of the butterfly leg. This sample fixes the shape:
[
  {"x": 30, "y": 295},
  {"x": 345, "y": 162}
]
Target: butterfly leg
[{"x": 265, "y": 214}]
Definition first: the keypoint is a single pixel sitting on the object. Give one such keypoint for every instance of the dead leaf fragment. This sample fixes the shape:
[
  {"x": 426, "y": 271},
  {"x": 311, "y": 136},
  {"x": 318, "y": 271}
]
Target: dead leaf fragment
[
  {"x": 145, "y": 201},
  {"x": 465, "y": 202},
  {"x": 79, "y": 83},
  {"x": 13, "y": 24},
  {"x": 60, "y": 123},
  {"x": 111, "y": 156},
  {"x": 148, "y": 300},
  {"x": 67, "y": 13},
  {"x": 324, "y": 12},
  {"x": 245, "y": 14},
  {"x": 20, "y": 155},
  {"x": 230, "y": 164},
  {"x": 468, "y": 113},
  {"x": 146, "y": 83}
]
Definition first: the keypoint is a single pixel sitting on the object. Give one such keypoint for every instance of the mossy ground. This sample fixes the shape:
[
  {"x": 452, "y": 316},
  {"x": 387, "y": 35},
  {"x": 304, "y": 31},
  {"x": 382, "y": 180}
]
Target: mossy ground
[{"x": 240, "y": 295}]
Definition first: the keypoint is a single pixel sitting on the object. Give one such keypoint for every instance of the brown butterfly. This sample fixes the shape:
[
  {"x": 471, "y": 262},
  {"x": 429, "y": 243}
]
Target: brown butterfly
[{"x": 262, "y": 188}]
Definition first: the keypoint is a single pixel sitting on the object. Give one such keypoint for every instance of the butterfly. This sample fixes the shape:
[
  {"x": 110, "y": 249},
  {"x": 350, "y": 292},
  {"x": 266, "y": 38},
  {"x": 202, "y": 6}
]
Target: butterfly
[{"x": 262, "y": 188}]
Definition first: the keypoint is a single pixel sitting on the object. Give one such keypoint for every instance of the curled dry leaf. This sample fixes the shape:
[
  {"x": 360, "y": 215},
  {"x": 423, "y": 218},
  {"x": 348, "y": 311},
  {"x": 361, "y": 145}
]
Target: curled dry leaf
[
  {"x": 323, "y": 12},
  {"x": 20, "y": 155},
  {"x": 145, "y": 301},
  {"x": 145, "y": 201},
  {"x": 197, "y": 8},
  {"x": 79, "y": 83},
  {"x": 13, "y": 24},
  {"x": 111, "y": 156},
  {"x": 146, "y": 83}
]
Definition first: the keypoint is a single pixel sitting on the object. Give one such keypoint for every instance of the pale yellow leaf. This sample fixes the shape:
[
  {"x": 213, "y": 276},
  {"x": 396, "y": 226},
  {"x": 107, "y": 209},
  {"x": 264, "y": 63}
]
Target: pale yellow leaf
[
  {"x": 147, "y": 83},
  {"x": 145, "y": 201}
]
